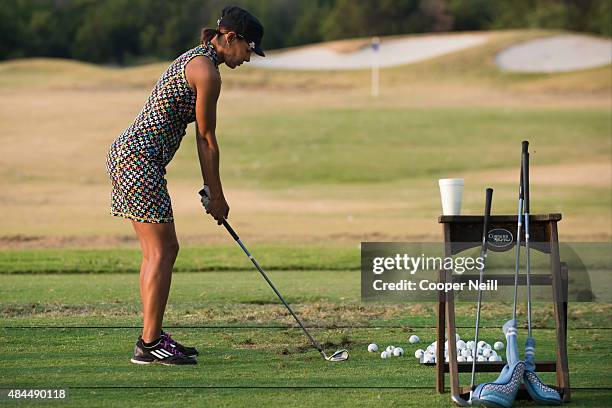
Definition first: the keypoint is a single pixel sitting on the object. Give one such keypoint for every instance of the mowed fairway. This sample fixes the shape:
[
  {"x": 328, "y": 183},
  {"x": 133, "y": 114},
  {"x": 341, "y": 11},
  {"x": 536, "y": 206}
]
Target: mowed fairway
[
  {"x": 312, "y": 166},
  {"x": 77, "y": 330}
]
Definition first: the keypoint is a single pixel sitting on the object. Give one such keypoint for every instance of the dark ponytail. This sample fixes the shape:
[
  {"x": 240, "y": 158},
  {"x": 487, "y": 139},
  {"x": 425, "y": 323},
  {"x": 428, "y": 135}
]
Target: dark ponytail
[{"x": 208, "y": 34}]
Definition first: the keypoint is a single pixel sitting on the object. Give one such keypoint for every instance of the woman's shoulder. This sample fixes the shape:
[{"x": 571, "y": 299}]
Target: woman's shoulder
[
  {"x": 206, "y": 50},
  {"x": 199, "y": 69}
]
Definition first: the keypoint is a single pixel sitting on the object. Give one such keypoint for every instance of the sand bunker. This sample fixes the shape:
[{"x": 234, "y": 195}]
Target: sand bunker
[
  {"x": 556, "y": 54},
  {"x": 391, "y": 53}
]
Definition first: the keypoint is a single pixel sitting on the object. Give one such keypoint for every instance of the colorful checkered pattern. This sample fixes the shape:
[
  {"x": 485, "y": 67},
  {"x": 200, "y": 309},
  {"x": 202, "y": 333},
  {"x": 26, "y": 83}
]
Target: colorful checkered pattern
[{"x": 137, "y": 159}]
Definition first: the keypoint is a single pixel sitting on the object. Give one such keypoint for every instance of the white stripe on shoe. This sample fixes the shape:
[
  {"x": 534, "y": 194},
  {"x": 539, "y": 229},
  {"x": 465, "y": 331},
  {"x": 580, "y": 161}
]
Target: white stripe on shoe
[
  {"x": 166, "y": 353},
  {"x": 157, "y": 354}
]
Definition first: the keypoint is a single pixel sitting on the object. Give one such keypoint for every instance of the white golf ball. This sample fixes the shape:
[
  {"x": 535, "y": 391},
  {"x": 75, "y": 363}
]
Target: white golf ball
[
  {"x": 389, "y": 349},
  {"x": 461, "y": 359},
  {"x": 492, "y": 358},
  {"x": 457, "y": 338},
  {"x": 414, "y": 339},
  {"x": 470, "y": 344},
  {"x": 487, "y": 346},
  {"x": 465, "y": 353},
  {"x": 498, "y": 358},
  {"x": 469, "y": 359},
  {"x": 481, "y": 343},
  {"x": 481, "y": 358},
  {"x": 398, "y": 351},
  {"x": 373, "y": 348},
  {"x": 384, "y": 354},
  {"x": 430, "y": 359},
  {"x": 431, "y": 349},
  {"x": 461, "y": 345},
  {"x": 419, "y": 353},
  {"x": 498, "y": 345},
  {"x": 486, "y": 352}
]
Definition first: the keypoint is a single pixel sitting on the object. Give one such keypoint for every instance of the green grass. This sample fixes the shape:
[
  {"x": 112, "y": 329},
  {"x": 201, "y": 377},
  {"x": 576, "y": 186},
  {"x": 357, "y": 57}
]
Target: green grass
[
  {"x": 206, "y": 258},
  {"x": 387, "y": 145},
  {"x": 248, "y": 340}
]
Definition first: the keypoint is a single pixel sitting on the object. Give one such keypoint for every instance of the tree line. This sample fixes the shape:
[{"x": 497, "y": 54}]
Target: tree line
[{"x": 135, "y": 31}]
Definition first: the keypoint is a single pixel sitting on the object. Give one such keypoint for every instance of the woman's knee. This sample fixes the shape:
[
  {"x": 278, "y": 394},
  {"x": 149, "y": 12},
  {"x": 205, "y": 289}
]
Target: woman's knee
[{"x": 164, "y": 253}]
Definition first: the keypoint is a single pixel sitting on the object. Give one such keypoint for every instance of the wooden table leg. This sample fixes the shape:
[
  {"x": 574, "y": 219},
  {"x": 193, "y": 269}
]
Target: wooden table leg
[
  {"x": 559, "y": 312},
  {"x": 452, "y": 345},
  {"x": 440, "y": 325}
]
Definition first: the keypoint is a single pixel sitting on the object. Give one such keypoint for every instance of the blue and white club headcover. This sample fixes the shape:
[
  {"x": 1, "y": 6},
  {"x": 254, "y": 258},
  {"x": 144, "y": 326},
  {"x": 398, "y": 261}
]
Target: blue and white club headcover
[
  {"x": 501, "y": 393},
  {"x": 538, "y": 391},
  {"x": 511, "y": 333}
]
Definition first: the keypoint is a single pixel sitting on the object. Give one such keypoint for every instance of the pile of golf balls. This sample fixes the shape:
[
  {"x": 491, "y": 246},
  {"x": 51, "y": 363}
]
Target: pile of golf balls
[
  {"x": 390, "y": 351},
  {"x": 466, "y": 351}
]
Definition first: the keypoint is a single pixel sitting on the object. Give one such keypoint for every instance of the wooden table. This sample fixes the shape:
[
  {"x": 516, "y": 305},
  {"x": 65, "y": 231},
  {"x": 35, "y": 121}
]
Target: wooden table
[{"x": 462, "y": 232}]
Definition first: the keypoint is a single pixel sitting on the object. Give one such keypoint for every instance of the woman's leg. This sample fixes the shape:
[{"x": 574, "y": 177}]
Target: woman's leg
[{"x": 159, "y": 249}]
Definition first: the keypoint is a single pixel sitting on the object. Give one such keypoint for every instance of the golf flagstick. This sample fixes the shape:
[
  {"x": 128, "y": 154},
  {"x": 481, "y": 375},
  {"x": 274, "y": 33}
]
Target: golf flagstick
[
  {"x": 538, "y": 391},
  {"x": 502, "y": 392},
  {"x": 339, "y": 355}
]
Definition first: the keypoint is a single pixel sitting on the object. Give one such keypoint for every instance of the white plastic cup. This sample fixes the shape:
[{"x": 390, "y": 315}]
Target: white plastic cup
[{"x": 451, "y": 192}]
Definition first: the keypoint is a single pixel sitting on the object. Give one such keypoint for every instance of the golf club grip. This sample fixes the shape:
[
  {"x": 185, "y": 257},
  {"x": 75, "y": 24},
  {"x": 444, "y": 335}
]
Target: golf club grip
[
  {"x": 521, "y": 193},
  {"x": 525, "y": 146},
  {"x": 525, "y": 172},
  {"x": 230, "y": 230},
  {"x": 487, "y": 214}
]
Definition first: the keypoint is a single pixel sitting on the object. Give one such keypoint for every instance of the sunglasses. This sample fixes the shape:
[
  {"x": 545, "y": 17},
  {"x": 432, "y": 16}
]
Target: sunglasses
[{"x": 251, "y": 44}]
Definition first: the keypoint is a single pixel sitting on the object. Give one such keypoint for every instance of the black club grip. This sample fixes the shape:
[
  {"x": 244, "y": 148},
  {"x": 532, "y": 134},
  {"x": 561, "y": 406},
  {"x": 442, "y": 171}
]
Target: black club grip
[
  {"x": 230, "y": 230},
  {"x": 525, "y": 146},
  {"x": 525, "y": 176},
  {"x": 487, "y": 213}
]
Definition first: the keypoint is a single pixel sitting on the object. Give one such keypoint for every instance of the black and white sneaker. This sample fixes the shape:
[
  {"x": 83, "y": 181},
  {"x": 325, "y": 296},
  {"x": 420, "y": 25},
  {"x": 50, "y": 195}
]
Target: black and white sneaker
[
  {"x": 160, "y": 352},
  {"x": 186, "y": 350}
]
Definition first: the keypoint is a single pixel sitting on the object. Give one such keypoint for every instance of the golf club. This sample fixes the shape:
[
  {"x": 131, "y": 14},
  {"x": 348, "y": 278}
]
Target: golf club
[
  {"x": 537, "y": 390},
  {"x": 502, "y": 392},
  {"x": 483, "y": 255},
  {"x": 457, "y": 399},
  {"x": 340, "y": 355}
]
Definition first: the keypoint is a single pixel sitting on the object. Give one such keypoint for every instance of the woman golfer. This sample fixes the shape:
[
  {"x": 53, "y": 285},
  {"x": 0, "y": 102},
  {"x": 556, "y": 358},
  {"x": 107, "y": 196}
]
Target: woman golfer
[{"x": 188, "y": 90}]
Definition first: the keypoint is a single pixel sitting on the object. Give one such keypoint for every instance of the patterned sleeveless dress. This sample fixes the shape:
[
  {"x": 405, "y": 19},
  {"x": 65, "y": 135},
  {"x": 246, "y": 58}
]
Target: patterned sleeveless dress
[{"x": 137, "y": 159}]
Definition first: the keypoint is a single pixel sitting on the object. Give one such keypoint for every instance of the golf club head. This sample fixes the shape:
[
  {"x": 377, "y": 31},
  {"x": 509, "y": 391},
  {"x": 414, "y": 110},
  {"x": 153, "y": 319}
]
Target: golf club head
[
  {"x": 340, "y": 355},
  {"x": 460, "y": 402}
]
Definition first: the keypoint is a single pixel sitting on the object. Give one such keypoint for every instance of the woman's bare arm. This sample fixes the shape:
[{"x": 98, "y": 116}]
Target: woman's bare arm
[{"x": 205, "y": 79}]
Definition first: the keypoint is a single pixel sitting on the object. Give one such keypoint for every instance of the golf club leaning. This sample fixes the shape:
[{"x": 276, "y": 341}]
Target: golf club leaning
[
  {"x": 483, "y": 255},
  {"x": 340, "y": 355},
  {"x": 537, "y": 390},
  {"x": 457, "y": 400},
  {"x": 502, "y": 392}
]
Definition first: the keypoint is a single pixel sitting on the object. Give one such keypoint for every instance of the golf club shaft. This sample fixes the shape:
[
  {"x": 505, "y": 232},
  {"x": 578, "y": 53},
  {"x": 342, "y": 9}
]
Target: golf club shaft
[
  {"x": 525, "y": 148},
  {"x": 261, "y": 271},
  {"x": 525, "y": 171},
  {"x": 483, "y": 254}
]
